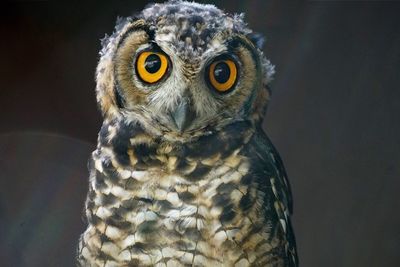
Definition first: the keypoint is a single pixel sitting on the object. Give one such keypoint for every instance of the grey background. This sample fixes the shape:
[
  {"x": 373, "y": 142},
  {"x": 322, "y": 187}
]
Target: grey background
[{"x": 334, "y": 117}]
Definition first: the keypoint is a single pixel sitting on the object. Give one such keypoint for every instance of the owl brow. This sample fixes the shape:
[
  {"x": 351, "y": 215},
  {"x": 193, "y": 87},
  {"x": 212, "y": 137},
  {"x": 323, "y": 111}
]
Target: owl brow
[
  {"x": 242, "y": 41},
  {"x": 238, "y": 40},
  {"x": 135, "y": 28},
  {"x": 152, "y": 46}
]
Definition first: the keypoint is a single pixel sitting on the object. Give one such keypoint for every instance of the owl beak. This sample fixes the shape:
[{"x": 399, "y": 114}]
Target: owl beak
[{"x": 183, "y": 115}]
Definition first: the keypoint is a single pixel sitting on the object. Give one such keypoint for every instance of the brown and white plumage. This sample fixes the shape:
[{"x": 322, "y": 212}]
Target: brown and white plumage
[{"x": 183, "y": 174}]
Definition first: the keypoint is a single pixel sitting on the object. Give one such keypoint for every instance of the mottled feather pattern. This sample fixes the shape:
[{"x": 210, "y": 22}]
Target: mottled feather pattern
[
  {"x": 212, "y": 194},
  {"x": 153, "y": 203}
]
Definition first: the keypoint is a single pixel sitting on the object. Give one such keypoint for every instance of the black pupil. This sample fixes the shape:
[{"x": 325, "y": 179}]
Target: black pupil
[
  {"x": 222, "y": 72},
  {"x": 152, "y": 63}
]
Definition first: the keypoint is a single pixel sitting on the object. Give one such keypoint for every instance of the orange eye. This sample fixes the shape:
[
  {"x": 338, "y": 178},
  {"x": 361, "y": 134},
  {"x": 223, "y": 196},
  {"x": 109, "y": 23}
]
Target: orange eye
[
  {"x": 151, "y": 66},
  {"x": 222, "y": 75}
]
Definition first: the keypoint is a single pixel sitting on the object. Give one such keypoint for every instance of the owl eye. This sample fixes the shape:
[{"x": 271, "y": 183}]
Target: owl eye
[
  {"x": 151, "y": 67},
  {"x": 222, "y": 75}
]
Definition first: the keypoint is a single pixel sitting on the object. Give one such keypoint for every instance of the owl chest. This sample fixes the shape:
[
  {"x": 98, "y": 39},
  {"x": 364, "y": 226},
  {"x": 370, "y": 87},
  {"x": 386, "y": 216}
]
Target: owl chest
[{"x": 159, "y": 212}]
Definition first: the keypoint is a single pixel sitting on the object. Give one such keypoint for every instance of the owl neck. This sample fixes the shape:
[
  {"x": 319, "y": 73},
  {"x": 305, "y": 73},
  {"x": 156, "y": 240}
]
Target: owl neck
[{"x": 130, "y": 146}]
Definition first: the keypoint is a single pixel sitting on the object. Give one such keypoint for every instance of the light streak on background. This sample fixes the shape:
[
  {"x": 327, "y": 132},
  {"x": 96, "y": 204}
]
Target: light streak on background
[{"x": 43, "y": 183}]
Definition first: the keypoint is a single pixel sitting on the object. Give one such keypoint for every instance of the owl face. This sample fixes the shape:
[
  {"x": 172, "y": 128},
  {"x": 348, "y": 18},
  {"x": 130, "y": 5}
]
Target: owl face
[{"x": 181, "y": 70}]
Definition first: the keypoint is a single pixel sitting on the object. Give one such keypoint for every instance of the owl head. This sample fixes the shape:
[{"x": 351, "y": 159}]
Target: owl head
[{"x": 181, "y": 70}]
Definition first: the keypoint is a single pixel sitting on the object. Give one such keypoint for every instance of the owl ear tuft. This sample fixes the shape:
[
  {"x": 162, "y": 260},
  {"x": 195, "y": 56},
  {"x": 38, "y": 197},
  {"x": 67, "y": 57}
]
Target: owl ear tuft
[{"x": 257, "y": 39}]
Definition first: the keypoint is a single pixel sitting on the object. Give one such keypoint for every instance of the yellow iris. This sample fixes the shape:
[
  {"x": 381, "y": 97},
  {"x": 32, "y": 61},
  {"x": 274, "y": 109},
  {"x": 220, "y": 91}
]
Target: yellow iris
[
  {"x": 223, "y": 74},
  {"x": 151, "y": 66}
]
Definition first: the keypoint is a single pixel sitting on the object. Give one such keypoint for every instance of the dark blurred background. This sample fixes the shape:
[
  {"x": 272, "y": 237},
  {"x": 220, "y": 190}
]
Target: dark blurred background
[{"x": 334, "y": 117}]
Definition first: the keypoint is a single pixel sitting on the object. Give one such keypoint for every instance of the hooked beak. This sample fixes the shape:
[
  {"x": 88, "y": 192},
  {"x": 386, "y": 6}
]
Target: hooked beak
[{"x": 183, "y": 115}]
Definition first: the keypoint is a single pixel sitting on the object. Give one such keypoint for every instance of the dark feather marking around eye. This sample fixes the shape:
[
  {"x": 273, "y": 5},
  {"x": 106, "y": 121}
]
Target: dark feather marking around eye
[
  {"x": 236, "y": 42},
  {"x": 118, "y": 98},
  {"x": 144, "y": 28}
]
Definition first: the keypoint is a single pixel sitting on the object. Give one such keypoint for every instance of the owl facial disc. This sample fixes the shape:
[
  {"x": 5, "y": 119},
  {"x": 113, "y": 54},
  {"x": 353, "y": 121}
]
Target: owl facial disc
[{"x": 184, "y": 73}]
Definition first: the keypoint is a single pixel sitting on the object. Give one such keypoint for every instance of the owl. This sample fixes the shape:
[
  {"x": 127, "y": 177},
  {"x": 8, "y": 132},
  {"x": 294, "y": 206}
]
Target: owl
[{"x": 183, "y": 174}]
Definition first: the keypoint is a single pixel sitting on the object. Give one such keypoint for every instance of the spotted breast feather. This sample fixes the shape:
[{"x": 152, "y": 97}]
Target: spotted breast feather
[{"x": 219, "y": 201}]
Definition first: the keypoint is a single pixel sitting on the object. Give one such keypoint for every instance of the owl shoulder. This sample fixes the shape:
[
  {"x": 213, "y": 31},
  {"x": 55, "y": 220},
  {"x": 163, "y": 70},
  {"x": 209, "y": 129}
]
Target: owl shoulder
[{"x": 270, "y": 175}]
